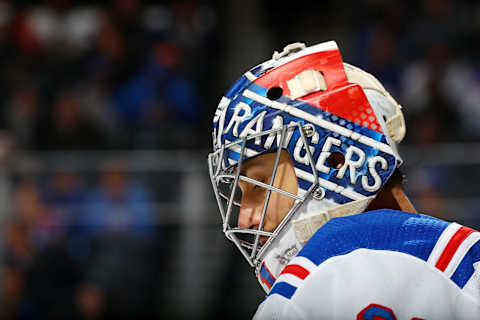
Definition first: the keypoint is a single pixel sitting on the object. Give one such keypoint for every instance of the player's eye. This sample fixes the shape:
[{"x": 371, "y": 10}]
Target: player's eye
[{"x": 256, "y": 187}]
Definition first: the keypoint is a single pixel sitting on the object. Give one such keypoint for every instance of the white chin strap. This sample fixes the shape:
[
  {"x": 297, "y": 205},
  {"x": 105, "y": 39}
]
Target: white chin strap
[
  {"x": 306, "y": 221},
  {"x": 307, "y": 225}
]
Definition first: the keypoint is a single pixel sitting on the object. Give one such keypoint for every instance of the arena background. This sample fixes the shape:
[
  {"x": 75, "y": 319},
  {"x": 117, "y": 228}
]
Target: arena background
[{"x": 106, "y": 211}]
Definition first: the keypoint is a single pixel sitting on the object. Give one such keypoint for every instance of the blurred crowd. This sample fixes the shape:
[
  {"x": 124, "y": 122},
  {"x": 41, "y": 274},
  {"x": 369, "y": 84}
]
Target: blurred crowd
[
  {"x": 133, "y": 75},
  {"x": 66, "y": 247},
  {"x": 84, "y": 75}
]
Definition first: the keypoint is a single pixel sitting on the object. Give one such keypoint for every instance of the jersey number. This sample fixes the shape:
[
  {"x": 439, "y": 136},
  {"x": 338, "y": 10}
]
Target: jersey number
[{"x": 378, "y": 312}]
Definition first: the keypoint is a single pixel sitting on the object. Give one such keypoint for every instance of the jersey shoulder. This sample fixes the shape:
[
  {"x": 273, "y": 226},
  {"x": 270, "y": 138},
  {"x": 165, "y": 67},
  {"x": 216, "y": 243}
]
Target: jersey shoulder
[
  {"x": 411, "y": 233},
  {"x": 449, "y": 247}
]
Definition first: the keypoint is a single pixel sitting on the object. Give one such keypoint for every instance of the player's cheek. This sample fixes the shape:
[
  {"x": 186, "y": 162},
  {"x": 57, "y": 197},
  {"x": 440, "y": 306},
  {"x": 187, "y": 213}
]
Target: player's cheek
[
  {"x": 285, "y": 203},
  {"x": 275, "y": 210}
]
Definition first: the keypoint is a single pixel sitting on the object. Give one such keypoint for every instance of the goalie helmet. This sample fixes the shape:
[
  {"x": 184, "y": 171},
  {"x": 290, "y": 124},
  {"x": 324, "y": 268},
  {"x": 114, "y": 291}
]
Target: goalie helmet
[{"x": 306, "y": 101}]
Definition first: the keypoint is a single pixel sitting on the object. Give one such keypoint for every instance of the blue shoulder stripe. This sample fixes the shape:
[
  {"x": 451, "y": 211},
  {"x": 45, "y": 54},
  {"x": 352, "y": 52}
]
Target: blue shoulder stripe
[
  {"x": 266, "y": 276},
  {"x": 465, "y": 269},
  {"x": 283, "y": 289}
]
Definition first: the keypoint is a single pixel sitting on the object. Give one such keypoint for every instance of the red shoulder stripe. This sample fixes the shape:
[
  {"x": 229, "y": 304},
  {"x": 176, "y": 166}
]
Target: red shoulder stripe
[
  {"x": 296, "y": 270},
  {"x": 452, "y": 247}
]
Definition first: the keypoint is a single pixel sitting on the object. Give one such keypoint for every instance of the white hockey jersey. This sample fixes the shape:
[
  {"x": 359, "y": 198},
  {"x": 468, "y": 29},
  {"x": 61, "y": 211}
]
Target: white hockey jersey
[{"x": 382, "y": 264}]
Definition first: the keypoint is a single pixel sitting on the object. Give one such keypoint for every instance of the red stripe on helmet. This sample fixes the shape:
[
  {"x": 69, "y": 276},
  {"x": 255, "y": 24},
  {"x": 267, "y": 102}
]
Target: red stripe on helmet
[{"x": 342, "y": 98}]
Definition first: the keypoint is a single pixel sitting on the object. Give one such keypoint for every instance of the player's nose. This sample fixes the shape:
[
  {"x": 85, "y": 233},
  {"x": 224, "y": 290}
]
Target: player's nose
[{"x": 247, "y": 217}]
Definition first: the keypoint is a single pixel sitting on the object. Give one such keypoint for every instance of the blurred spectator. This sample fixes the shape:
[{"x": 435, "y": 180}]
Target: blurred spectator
[
  {"x": 50, "y": 283},
  {"x": 18, "y": 256},
  {"x": 19, "y": 250},
  {"x": 96, "y": 104},
  {"x": 118, "y": 206},
  {"x": 22, "y": 116},
  {"x": 428, "y": 197},
  {"x": 437, "y": 21},
  {"x": 159, "y": 105},
  {"x": 67, "y": 128},
  {"x": 64, "y": 189},
  {"x": 90, "y": 302},
  {"x": 42, "y": 223},
  {"x": 44, "y": 28},
  {"x": 118, "y": 221},
  {"x": 11, "y": 292},
  {"x": 379, "y": 43},
  {"x": 440, "y": 96}
]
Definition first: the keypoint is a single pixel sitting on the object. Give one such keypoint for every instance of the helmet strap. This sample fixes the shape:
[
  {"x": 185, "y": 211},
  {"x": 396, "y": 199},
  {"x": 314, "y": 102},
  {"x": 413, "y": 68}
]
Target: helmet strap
[{"x": 306, "y": 226}]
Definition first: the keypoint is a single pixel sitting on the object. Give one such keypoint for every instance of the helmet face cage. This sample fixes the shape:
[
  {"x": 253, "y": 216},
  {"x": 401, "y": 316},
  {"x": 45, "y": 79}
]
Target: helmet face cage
[
  {"x": 225, "y": 181},
  {"x": 337, "y": 119}
]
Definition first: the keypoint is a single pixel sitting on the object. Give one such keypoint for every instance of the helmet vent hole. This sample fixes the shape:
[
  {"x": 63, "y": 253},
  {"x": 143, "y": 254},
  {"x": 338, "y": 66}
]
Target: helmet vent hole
[
  {"x": 336, "y": 160},
  {"x": 274, "y": 93}
]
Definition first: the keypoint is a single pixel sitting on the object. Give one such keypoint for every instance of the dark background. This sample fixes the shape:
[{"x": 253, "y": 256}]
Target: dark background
[{"x": 105, "y": 205}]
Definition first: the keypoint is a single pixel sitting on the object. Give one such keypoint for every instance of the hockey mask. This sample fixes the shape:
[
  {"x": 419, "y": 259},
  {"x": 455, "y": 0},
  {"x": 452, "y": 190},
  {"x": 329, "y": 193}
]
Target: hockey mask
[{"x": 340, "y": 128}]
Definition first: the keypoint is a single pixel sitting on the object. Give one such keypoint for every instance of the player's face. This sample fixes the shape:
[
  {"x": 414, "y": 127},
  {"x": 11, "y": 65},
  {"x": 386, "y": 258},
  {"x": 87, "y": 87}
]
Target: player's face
[{"x": 253, "y": 196}]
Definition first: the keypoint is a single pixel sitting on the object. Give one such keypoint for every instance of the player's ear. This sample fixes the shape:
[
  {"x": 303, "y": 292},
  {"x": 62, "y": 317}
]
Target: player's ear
[{"x": 392, "y": 195}]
